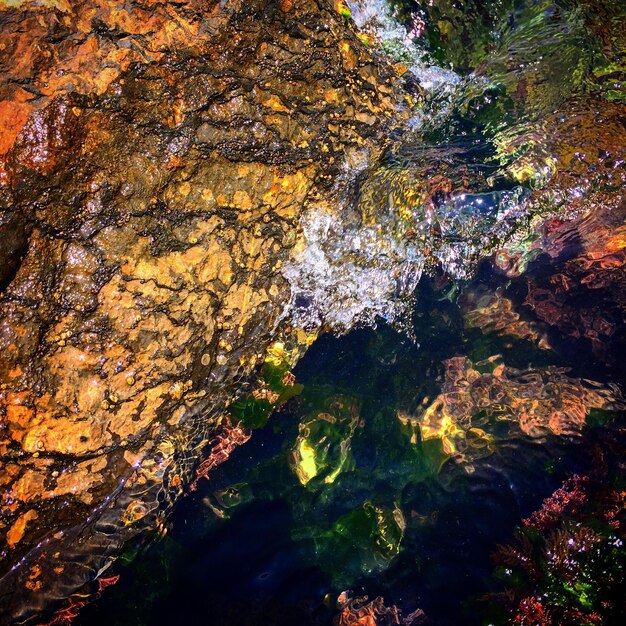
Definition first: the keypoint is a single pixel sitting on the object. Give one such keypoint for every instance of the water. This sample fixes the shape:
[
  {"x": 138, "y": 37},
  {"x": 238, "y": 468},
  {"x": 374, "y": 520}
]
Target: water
[
  {"x": 454, "y": 394},
  {"x": 382, "y": 512},
  {"x": 486, "y": 150}
]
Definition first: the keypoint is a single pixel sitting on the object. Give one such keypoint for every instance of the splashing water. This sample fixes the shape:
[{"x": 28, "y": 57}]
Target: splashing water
[
  {"x": 347, "y": 275},
  {"x": 475, "y": 163},
  {"x": 404, "y": 44}
]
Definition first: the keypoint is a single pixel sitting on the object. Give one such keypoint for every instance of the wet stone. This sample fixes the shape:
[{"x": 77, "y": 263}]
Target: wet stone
[{"x": 132, "y": 187}]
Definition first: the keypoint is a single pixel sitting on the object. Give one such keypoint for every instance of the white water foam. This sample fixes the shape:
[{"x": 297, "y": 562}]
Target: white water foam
[{"x": 346, "y": 274}]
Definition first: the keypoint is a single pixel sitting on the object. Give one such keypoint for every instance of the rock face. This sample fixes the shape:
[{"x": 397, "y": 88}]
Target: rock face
[{"x": 156, "y": 158}]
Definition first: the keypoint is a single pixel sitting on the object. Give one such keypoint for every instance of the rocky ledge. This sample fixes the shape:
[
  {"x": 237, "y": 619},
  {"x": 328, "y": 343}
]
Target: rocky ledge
[{"x": 156, "y": 159}]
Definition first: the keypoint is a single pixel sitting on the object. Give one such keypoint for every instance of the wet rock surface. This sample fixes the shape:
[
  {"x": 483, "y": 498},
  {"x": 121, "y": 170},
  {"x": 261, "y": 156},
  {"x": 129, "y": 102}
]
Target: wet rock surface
[{"x": 156, "y": 161}]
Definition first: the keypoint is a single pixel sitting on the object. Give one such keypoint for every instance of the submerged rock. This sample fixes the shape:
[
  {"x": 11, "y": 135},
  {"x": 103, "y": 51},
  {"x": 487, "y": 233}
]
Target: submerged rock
[
  {"x": 361, "y": 611},
  {"x": 537, "y": 401}
]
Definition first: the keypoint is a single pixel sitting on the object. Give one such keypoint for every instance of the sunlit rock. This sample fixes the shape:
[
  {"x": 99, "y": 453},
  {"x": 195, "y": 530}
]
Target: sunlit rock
[{"x": 156, "y": 159}]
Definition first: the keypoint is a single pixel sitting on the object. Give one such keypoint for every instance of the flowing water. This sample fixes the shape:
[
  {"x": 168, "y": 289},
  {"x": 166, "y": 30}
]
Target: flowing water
[
  {"x": 338, "y": 492},
  {"x": 450, "y": 401},
  {"x": 479, "y": 158}
]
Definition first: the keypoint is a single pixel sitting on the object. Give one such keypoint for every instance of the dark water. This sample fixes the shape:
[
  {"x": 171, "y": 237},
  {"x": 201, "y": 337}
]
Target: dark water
[{"x": 255, "y": 546}]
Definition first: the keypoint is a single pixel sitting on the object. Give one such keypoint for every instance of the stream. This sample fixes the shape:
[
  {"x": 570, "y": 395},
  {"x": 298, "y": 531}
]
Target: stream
[
  {"x": 454, "y": 439},
  {"x": 272, "y": 535}
]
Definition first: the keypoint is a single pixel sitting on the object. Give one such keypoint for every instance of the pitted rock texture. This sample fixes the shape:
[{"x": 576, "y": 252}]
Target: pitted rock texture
[{"x": 157, "y": 158}]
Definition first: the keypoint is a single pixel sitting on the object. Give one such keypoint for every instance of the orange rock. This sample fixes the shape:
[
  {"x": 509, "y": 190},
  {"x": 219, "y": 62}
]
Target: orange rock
[
  {"x": 16, "y": 532},
  {"x": 158, "y": 200}
]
